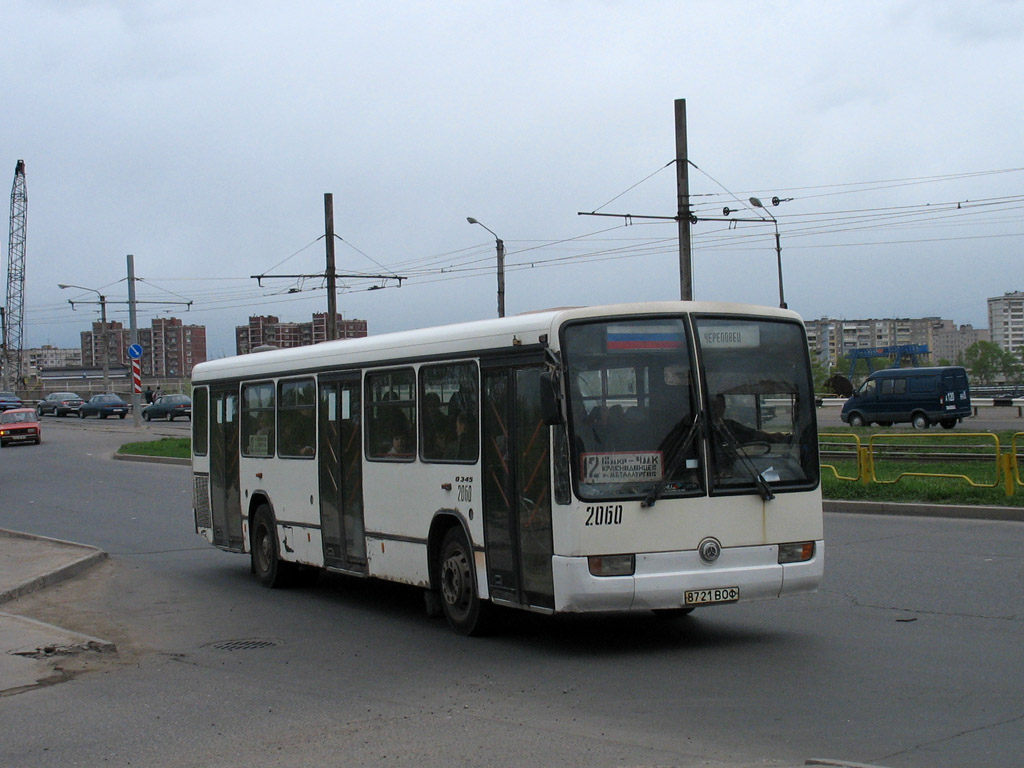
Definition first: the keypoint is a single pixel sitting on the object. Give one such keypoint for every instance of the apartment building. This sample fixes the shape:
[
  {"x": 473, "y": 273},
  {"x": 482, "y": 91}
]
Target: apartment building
[
  {"x": 170, "y": 348},
  {"x": 1006, "y": 321},
  {"x": 268, "y": 330},
  {"x": 831, "y": 339},
  {"x": 48, "y": 356}
]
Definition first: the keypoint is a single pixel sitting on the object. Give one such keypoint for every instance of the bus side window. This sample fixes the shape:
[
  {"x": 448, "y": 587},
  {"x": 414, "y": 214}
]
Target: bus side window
[
  {"x": 257, "y": 420},
  {"x": 391, "y": 415},
  {"x": 448, "y": 421},
  {"x": 296, "y": 418},
  {"x": 200, "y": 420}
]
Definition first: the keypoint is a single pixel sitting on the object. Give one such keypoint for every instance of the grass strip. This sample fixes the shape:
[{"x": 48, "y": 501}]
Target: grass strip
[{"x": 168, "y": 447}]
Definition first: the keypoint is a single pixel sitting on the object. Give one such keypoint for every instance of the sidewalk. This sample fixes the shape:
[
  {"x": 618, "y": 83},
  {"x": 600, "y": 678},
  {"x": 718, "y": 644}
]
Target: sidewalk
[{"x": 31, "y": 651}]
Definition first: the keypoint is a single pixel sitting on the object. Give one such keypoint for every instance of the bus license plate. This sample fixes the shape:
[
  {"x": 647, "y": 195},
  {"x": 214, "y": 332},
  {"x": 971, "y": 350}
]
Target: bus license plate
[{"x": 711, "y": 596}]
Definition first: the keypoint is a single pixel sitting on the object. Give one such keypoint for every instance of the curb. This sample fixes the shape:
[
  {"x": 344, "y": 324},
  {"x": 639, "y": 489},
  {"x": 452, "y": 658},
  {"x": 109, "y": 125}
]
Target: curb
[
  {"x": 151, "y": 459},
  {"x": 86, "y": 642},
  {"x": 896, "y": 509},
  {"x": 91, "y": 557}
]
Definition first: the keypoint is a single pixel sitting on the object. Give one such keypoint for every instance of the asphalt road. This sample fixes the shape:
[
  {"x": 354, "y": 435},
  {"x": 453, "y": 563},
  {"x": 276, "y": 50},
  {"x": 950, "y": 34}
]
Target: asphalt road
[{"x": 908, "y": 656}]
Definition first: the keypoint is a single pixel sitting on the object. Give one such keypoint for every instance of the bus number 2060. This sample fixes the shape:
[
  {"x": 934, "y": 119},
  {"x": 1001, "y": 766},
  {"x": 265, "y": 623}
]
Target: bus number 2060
[{"x": 604, "y": 514}]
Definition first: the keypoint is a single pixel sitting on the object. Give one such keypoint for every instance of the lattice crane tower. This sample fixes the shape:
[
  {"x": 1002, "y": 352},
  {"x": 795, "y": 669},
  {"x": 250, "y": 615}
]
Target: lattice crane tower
[{"x": 15, "y": 315}]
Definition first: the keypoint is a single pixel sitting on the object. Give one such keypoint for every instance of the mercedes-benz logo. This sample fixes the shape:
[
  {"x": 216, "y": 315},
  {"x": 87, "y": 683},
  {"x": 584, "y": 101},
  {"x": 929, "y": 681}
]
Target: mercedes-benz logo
[{"x": 709, "y": 550}]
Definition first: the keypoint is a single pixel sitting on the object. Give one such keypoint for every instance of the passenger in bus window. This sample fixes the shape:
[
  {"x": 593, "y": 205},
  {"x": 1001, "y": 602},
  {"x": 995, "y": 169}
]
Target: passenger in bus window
[
  {"x": 463, "y": 446},
  {"x": 436, "y": 429},
  {"x": 399, "y": 445},
  {"x": 463, "y": 401}
]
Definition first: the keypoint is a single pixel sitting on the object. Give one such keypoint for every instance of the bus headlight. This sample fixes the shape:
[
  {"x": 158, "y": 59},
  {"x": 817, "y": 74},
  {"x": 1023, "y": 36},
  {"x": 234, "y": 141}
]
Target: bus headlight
[
  {"x": 796, "y": 553},
  {"x": 611, "y": 565}
]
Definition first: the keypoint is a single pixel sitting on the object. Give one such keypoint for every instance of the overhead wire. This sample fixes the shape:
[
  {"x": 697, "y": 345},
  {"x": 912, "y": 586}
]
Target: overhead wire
[{"x": 476, "y": 260}]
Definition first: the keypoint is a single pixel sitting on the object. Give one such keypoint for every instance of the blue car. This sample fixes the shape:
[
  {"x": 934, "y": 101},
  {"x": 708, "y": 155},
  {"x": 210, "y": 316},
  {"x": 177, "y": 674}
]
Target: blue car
[
  {"x": 103, "y": 406},
  {"x": 10, "y": 400}
]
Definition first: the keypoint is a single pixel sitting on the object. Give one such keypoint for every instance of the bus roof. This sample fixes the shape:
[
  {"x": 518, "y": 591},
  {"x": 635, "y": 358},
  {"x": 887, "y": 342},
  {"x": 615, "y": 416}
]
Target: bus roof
[{"x": 457, "y": 339}]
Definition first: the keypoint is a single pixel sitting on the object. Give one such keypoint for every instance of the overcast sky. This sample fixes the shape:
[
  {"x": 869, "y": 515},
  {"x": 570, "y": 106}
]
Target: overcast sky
[{"x": 201, "y": 137}]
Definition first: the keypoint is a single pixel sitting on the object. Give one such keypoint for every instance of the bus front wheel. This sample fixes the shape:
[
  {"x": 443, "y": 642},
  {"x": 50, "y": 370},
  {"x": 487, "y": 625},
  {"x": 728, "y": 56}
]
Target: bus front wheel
[
  {"x": 265, "y": 562},
  {"x": 462, "y": 606}
]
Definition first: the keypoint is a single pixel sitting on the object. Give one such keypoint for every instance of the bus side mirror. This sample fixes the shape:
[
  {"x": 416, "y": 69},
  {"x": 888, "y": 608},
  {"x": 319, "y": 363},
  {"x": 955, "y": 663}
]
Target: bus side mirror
[{"x": 550, "y": 402}]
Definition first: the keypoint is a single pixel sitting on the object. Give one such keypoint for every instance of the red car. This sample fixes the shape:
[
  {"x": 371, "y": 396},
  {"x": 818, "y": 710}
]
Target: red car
[{"x": 20, "y": 425}]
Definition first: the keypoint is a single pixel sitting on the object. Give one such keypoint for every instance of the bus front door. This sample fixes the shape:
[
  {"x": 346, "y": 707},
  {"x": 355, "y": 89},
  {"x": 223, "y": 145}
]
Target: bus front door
[
  {"x": 517, "y": 488},
  {"x": 341, "y": 474},
  {"x": 225, "y": 503}
]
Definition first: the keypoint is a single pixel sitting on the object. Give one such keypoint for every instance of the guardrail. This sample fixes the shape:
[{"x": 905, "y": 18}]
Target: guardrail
[{"x": 893, "y": 449}]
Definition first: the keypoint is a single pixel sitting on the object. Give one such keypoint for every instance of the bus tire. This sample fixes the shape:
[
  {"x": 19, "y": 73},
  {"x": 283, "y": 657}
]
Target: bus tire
[
  {"x": 948, "y": 423},
  {"x": 266, "y": 563},
  {"x": 856, "y": 420},
  {"x": 460, "y": 602},
  {"x": 920, "y": 421}
]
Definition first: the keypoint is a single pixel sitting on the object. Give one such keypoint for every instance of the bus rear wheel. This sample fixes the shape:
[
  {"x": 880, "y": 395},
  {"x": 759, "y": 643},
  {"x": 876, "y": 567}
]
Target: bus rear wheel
[{"x": 460, "y": 602}]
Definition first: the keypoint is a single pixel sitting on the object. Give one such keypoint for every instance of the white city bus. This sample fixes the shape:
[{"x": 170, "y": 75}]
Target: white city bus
[{"x": 657, "y": 456}]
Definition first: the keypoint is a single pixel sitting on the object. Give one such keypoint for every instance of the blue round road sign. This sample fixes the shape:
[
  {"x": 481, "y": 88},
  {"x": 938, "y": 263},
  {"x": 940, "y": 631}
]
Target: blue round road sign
[{"x": 135, "y": 351}]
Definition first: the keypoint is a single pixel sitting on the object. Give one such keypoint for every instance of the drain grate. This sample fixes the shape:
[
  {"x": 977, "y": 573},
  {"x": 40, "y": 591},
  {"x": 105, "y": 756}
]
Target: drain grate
[{"x": 244, "y": 645}]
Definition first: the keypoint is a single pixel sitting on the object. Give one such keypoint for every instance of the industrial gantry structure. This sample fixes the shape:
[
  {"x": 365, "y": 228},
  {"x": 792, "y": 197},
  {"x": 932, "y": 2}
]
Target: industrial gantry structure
[{"x": 13, "y": 315}]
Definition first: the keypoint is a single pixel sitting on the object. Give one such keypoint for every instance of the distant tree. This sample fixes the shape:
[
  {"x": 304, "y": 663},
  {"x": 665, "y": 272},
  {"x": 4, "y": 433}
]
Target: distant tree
[
  {"x": 1010, "y": 367},
  {"x": 987, "y": 361},
  {"x": 821, "y": 372},
  {"x": 943, "y": 362},
  {"x": 860, "y": 370}
]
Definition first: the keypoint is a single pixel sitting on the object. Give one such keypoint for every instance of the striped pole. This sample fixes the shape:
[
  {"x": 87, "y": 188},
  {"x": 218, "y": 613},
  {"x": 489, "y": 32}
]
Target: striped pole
[{"x": 137, "y": 376}]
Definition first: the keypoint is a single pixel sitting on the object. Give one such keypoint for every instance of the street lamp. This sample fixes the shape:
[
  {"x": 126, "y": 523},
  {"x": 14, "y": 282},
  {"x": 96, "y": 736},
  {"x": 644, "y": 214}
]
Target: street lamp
[
  {"x": 501, "y": 266},
  {"x": 106, "y": 335},
  {"x": 778, "y": 246}
]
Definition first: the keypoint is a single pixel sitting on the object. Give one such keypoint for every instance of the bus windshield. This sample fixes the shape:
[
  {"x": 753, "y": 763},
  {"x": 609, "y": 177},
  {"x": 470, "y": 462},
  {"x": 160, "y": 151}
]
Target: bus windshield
[
  {"x": 633, "y": 408},
  {"x": 638, "y": 430},
  {"x": 760, "y": 398}
]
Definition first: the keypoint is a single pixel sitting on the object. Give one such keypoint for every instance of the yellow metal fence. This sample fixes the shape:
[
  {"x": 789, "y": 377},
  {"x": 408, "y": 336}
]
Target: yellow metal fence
[{"x": 981, "y": 451}]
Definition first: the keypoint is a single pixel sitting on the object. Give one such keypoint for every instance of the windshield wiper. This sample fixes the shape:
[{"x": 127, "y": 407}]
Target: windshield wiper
[
  {"x": 676, "y": 455},
  {"x": 763, "y": 489}
]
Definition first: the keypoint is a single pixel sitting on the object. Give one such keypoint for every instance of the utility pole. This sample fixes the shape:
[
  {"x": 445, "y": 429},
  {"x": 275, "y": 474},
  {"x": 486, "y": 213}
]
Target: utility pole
[
  {"x": 106, "y": 341},
  {"x": 331, "y": 273},
  {"x": 133, "y": 338},
  {"x": 132, "y": 303},
  {"x": 683, "y": 205},
  {"x": 684, "y": 217},
  {"x": 499, "y": 245}
]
